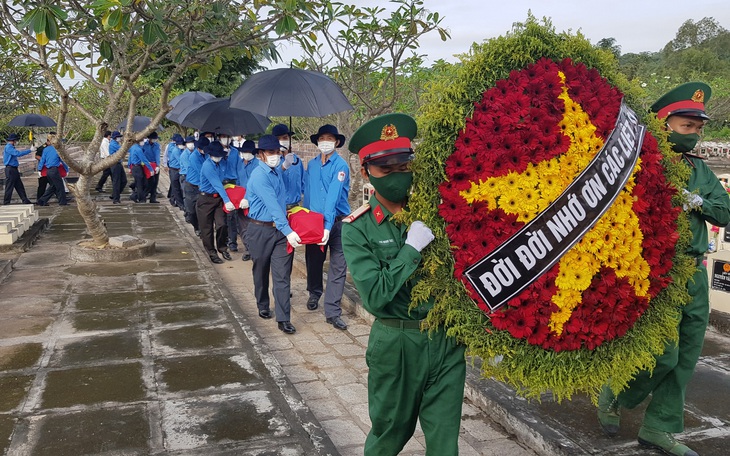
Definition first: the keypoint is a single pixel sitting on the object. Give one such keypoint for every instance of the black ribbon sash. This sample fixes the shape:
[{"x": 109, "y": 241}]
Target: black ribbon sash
[{"x": 537, "y": 246}]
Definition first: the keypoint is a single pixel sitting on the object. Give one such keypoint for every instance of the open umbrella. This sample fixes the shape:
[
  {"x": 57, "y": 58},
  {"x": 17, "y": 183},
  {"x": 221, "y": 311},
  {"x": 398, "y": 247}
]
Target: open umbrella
[
  {"x": 290, "y": 92},
  {"x": 186, "y": 102},
  {"x": 31, "y": 120},
  {"x": 217, "y": 116},
  {"x": 139, "y": 124}
]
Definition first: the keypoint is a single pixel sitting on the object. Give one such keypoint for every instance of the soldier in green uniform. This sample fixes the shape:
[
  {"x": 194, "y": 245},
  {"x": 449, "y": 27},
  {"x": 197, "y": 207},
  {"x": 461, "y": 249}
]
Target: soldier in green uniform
[
  {"x": 705, "y": 201},
  {"x": 413, "y": 374}
]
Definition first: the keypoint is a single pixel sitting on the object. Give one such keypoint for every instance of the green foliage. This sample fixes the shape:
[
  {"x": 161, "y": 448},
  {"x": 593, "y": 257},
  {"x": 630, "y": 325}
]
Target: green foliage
[{"x": 530, "y": 369}]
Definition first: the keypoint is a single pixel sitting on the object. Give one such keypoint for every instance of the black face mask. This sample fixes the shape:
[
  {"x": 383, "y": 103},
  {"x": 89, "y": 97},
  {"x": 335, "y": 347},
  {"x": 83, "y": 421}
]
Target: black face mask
[{"x": 683, "y": 143}]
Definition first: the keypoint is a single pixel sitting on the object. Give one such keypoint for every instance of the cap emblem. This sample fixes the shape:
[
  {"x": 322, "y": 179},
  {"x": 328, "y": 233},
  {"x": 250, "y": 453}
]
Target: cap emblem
[
  {"x": 389, "y": 133},
  {"x": 698, "y": 96}
]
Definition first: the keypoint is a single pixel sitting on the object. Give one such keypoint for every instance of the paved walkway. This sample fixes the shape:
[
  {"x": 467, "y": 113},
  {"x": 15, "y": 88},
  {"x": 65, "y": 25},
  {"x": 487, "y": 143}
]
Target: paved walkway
[{"x": 168, "y": 355}]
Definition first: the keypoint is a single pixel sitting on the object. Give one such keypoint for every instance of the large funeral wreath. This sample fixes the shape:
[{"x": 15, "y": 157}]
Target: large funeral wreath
[{"x": 503, "y": 134}]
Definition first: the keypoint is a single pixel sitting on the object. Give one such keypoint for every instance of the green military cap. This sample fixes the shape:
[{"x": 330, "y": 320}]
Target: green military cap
[
  {"x": 687, "y": 99},
  {"x": 385, "y": 140}
]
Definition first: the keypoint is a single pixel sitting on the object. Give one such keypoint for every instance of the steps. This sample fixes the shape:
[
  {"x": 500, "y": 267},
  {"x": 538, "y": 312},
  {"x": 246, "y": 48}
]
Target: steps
[{"x": 15, "y": 220}]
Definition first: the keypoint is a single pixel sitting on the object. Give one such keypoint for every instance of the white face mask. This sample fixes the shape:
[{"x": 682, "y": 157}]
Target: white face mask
[
  {"x": 190, "y": 146},
  {"x": 216, "y": 159},
  {"x": 224, "y": 141},
  {"x": 248, "y": 156},
  {"x": 181, "y": 147},
  {"x": 326, "y": 146},
  {"x": 145, "y": 141},
  {"x": 142, "y": 143},
  {"x": 152, "y": 141},
  {"x": 273, "y": 160}
]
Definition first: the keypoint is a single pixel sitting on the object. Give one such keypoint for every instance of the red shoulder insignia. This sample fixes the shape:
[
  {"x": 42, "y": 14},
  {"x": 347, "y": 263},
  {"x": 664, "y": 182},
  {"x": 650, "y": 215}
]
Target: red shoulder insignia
[
  {"x": 356, "y": 213},
  {"x": 379, "y": 215}
]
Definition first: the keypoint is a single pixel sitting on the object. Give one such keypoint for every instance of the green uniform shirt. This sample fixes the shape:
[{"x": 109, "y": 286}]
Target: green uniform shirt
[
  {"x": 715, "y": 207},
  {"x": 381, "y": 264}
]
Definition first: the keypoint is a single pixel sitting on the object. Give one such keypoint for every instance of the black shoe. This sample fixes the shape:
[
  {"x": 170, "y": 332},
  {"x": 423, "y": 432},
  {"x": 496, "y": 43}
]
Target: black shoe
[
  {"x": 313, "y": 303},
  {"x": 197, "y": 232},
  {"x": 27, "y": 202},
  {"x": 41, "y": 203},
  {"x": 101, "y": 190},
  {"x": 116, "y": 202},
  {"x": 337, "y": 323},
  {"x": 233, "y": 248},
  {"x": 154, "y": 202},
  {"x": 226, "y": 256},
  {"x": 216, "y": 259},
  {"x": 265, "y": 314},
  {"x": 246, "y": 257},
  {"x": 287, "y": 328}
]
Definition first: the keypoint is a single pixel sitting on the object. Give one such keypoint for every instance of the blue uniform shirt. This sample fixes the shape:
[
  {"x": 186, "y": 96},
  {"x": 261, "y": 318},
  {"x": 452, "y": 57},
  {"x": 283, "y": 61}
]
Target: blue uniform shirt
[
  {"x": 265, "y": 195},
  {"x": 244, "y": 172},
  {"x": 11, "y": 154},
  {"x": 195, "y": 163},
  {"x": 294, "y": 180},
  {"x": 173, "y": 156},
  {"x": 114, "y": 146},
  {"x": 152, "y": 152},
  {"x": 231, "y": 164},
  {"x": 137, "y": 157},
  {"x": 50, "y": 158},
  {"x": 184, "y": 160},
  {"x": 211, "y": 178},
  {"x": 327, "y": 187}
]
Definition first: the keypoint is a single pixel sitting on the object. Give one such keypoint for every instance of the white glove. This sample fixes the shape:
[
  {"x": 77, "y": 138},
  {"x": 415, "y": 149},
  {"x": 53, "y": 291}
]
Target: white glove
[
  {"x": 288, "y": 161},
  {"x": 230, "y": 207},
  {"x": 693, "y": 200},
  {"x": 325, "y": 238},
  {"x": 157, "y": 170},
  {"x": 243, "y": 204},
  {"x": 294, "y": 239},
  {"x": 40, "y": 174},
  {"x": 419, "y": 235}
]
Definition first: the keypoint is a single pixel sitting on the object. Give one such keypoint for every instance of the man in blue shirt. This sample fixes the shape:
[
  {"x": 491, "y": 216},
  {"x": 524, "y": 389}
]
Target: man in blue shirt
[
  {"x": 326, "y": 190},
  {"x": 212, "y": 198},
  {"x": 172, "y": 157},
  {"x": 136, "y": 162},
  {"x": 292, "y": 166},
  {"x": 52, "y": 162},
  {"x": 192, "y": 180},
  {"x": 119, "y": 177},
  {"x": 246, "y": 165},
  {"x": 268, "y": 233},
  {"x": 12, "y": 176},
  {"x": 152, "y": 153}
]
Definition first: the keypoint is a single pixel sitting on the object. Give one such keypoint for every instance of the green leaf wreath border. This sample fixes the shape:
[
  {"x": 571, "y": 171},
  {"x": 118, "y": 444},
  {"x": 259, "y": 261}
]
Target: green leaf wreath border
[{"x": 530, "y": 369}]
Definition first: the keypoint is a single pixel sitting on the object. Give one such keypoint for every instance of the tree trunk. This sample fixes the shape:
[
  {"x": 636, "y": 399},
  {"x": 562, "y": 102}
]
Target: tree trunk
[{"x": 87, "y": 208}]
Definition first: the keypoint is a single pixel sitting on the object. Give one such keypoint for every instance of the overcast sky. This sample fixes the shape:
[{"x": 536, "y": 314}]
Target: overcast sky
[{"x": 637, "y": 25}]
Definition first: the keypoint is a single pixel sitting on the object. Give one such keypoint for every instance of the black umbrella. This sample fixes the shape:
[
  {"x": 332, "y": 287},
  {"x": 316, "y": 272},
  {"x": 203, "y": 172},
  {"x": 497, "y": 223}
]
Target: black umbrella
[
  {"x": 217, "y": 116},
  {"x": 32, "y": 120},
  {"x": 290, "y": 92},
  {"x": 139, "y": 124},
  {"x": 186, "y": 102}
]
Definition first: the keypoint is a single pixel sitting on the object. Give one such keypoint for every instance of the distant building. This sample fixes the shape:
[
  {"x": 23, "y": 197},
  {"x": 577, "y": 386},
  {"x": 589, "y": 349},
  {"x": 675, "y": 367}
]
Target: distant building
[{"x": 711, "y": 149}]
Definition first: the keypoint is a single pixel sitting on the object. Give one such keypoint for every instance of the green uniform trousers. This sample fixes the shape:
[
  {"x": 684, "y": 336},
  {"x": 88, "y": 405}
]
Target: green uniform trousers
[
  {"x": 668, "y": 381},
  {"x": 413, "y": 375}
]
